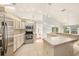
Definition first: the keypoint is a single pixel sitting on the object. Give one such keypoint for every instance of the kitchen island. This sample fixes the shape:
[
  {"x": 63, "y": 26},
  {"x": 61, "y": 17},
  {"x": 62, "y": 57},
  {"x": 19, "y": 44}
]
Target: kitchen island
[{"x": 59, "y": 45}]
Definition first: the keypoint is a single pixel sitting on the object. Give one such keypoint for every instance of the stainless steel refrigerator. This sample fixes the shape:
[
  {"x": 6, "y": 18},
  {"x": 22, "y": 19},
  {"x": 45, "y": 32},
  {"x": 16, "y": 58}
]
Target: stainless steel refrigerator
[{"x": 6, "y": 39}]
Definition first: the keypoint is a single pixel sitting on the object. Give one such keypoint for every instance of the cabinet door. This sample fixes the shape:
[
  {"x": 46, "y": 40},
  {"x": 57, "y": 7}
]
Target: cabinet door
[
  {"x": 19, "y": 24},
  {"x": 22, "y": 38},
  {"x": 23, "y": 25},
  {"x": 16, "y": 24},
  {"x": 18, "y": 40},
  {"x": 15, "y": 44}
]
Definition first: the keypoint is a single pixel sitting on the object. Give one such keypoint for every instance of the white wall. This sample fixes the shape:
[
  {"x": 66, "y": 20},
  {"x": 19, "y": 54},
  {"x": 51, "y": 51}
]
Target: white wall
[
  {"x": 39, "y": 30},
  {"x": 39, "y": 25}
]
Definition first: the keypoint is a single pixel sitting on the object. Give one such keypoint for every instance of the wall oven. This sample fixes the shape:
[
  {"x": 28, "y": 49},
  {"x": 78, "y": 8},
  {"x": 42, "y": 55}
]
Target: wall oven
[{"x": 29, "y": 34}]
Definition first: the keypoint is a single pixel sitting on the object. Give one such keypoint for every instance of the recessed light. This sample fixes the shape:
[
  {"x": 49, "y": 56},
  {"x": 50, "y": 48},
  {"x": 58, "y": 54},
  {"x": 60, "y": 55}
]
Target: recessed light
[
  {"x": 63, "y": 10},
  {"x": 13, "y": 3},
  {"x": 49, "y": 3}
]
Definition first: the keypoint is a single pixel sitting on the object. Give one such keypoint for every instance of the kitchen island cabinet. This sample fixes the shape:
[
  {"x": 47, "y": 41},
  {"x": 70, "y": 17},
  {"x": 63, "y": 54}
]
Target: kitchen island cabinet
[{"x": 58, "y": 46}]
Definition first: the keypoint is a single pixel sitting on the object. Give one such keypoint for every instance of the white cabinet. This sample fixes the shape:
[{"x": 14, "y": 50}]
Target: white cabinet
[
  {"x": 17, "y": 23},
  {"x": 65, "y": 49},
  {"x": 15, "y": 43},
  {"x": 22, "y": 26},
  {"x": 18, "y": 41}
]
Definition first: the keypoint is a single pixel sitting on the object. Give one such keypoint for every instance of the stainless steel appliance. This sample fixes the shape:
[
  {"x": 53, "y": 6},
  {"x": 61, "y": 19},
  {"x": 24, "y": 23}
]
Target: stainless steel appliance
[
  {"x": 6, "y": 41},
  {"x": 29, "y": 34}
]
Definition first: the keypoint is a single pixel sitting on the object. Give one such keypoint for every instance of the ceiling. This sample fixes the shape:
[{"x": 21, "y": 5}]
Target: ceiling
[{"x": 66, "y": 13}]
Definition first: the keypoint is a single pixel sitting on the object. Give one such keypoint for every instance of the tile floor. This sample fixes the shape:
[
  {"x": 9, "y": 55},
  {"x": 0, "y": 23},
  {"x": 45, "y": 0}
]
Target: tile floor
[{"x": 34, "y": 49}]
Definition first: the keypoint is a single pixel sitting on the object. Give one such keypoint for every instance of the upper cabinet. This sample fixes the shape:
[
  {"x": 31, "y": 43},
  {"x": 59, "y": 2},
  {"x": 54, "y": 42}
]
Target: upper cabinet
[
  {"x": 19, "y": 24},
  {"x": 22, "y": 26},
  {"x": 16, "y": 24}
]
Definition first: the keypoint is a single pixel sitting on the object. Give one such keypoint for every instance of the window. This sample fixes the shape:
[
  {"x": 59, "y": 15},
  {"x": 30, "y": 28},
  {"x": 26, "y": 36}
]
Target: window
[{"x": 55, "y": 29}]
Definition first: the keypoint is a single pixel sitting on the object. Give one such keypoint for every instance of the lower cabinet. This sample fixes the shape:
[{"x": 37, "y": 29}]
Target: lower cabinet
[
  {"x": 15, "y": 44},
  {"x": 65, "y": 49},
  {"x": 47, "y": 49},
  {"x": 18, "y": 41}
]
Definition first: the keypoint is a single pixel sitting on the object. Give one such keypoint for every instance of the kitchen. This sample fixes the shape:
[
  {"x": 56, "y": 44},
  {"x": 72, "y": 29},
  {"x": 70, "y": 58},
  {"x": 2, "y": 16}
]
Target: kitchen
[{"x": 43, "y": 26}]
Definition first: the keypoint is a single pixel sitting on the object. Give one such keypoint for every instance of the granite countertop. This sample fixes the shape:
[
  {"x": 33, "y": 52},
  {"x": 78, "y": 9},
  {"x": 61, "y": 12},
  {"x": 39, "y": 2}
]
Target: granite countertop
[
  {"x": 56, "y": 41},
  {"x": 63, "y": 34}
]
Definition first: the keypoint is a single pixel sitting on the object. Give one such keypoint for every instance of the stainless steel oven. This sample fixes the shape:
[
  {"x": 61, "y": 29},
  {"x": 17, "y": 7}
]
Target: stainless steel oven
[{"x": 29, "y": 34}]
